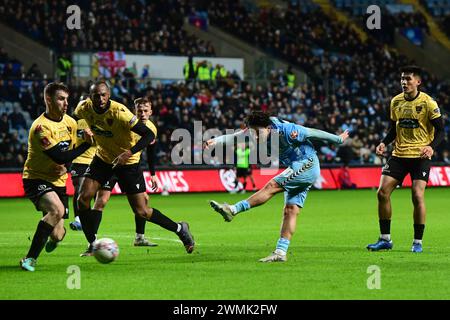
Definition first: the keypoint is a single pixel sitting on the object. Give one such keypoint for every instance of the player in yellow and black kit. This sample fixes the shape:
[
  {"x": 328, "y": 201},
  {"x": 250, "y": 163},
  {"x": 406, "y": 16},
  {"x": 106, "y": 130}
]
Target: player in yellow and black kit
[
  {"x": 143, "y": 111},
  {"x": 50, "y": 147},
  {"x": 417, "y": 129},
  {"x": 113, "y": 126}
]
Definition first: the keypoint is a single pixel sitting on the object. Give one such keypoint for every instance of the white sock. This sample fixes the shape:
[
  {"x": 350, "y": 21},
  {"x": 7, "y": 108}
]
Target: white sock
[
  {"x": 417, "y": 241},
  {"x": 280, "y": 252},
  {"x": 233, "y": 209},
  {"x": 77, "y": 219},
  {"x": 139, "y": 236},
  {"x": 179, "y": 227},
  {"x": 386, "y": 237}
]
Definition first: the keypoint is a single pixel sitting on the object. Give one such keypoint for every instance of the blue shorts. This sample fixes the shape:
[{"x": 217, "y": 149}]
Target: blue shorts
[{"x": 297, "y": 179}]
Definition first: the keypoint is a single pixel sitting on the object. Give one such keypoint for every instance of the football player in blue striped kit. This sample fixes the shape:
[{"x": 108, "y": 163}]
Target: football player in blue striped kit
[{"x": 297, "y": 153}]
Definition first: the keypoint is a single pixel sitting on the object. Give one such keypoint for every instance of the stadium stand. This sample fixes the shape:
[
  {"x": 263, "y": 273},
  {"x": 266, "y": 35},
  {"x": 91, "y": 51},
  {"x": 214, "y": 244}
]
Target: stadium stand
[
  {"x": 352, "y": 81},
  {"x": 145, "y": 27}
]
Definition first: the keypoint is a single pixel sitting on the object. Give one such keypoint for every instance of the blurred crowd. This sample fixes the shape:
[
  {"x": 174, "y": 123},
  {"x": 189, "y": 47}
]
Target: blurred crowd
[
  {"x": 350, "y": 87},
  {"x": 109, "y": 25}
]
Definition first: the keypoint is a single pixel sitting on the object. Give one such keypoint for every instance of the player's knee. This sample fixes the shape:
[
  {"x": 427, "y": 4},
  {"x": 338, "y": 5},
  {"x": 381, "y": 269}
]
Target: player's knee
[
  {"x": 382, "y": 195},
  {"x": 291, "y": 210},
  {"x": 83, "y": 200},
  {"x": 271, "y": 186},
  {"x": 418, "y": 197},
  {"x": 57, "y": 211},
  {"x": 143, "y": 212}
]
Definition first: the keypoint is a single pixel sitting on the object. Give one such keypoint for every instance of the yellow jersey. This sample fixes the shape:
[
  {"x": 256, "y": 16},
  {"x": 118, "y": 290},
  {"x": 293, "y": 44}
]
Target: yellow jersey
[
  {"x": 414, "y": 129},
  {"x": 136, "y": 137},
  {"x": 45, "y": 134},
  {"x": 112, "y": 129},
  {"x": 88, "y": 155}
]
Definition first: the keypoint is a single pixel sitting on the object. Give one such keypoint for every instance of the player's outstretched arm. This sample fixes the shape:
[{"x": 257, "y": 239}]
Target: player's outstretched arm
[
  {"x": 60, "y": 156},
  {"x": 325, "y": 136},
  {"x": 221, "y": 140}
]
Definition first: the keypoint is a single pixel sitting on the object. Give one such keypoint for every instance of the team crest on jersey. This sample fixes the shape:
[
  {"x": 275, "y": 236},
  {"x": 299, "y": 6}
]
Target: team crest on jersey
[
  {"x": 38, "y": 129},
  {"x": 45, "y": 142},
  {"x": 418, "y": 109},
  {"x": 109, "y": 122},
  {"x": 294, "y": 134}
]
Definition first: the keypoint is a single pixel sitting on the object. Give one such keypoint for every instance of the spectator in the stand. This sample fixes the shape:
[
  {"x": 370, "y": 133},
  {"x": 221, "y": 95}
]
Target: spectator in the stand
[
  {"x": 190, "y": 70},
  {"x": 63, "y": 68},
  {"x": 4, "y": 124},
  {"x": 290, "y": 78},
  {"x": 33, "y": 72},
  {"x": 17, "y": 119},
  {"x": 12, "y": 91},
  {"x": 203, "y": 72},
  {"x": 344, "y": 179},
  {"x": 145, "y": 72},
  {"x": 9, "y": 72}
]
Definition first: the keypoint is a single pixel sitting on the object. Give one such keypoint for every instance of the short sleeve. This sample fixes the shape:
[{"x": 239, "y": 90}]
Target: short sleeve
[
  {"x": 45, "y": 137},
  {"x": 433, "y": 110},
  {"x": 391, "y": 111},
  {"x": 78, "y": 112},
  {"x": 127, "y": 118}
]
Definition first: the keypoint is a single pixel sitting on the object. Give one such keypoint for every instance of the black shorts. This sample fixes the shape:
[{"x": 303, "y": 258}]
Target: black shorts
[
  {"x": 242, "y": 172},
  {"x": 77, "y": 170},
  {"x": 110, "y": 184},
  {"x": 36, "y": 188},
  {"x": 130, "y": 177},
  {"x": 398, "y": 168}
]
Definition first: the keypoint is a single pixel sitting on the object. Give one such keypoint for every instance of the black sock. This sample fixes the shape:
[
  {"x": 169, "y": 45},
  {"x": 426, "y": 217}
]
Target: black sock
[
  {"x": 40, "y": 237},
  {"x": 96, "y": 219},
  {"x": 163, "y": 221},
  {"x": 418, "y": 231},
  {"x": 385, "y": 226},
  {"x": 244, "y": 185},
  {"x": 140, "y": 224},
  {"x": 88, "y": 224},
  {"x": 236, "y": 183}
]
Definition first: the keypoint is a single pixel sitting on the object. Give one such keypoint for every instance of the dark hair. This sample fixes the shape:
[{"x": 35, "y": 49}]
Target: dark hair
[
  {"x": 51, "y": 88},
  {"x": 140, "y": 101},
  {"x": 258, "y": 119},
  {"x": 98, "y": 83},
  {"x": 415, "y": 70}
]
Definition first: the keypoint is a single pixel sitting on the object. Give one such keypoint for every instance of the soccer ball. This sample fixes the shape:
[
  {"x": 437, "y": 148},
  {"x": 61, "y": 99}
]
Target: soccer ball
[{"x": 105, "y": 250}]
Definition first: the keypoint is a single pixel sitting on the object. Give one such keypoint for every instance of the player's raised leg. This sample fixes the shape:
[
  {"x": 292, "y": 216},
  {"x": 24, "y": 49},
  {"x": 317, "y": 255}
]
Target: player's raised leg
[
  {"x": 258, "y": 198},
  {"x": 139, "y": 205},
  {"x": 387, "y": 186},
  {"x": 418, "y": 199},
  {"x": 52, "y": 205}
]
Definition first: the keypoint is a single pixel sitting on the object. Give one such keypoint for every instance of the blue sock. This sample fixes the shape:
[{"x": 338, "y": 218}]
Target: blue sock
[
  {"x": 283, "y": 244},
  {"x": 240, "y": 206}
]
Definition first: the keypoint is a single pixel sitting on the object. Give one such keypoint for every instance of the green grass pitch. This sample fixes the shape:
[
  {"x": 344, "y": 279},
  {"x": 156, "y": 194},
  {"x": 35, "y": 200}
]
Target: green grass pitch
[{"x": 327, "y": 258}]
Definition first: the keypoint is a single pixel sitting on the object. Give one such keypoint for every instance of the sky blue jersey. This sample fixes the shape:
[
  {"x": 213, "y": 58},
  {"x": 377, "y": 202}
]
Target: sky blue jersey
[{"x": 295, "y": 144}]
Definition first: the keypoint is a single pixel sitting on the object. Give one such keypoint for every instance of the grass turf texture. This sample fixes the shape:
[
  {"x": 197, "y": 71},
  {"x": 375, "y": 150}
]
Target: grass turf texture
[{"x": 327, "y": 258}]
